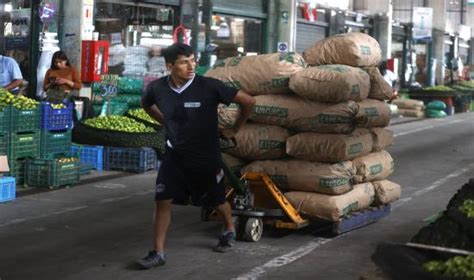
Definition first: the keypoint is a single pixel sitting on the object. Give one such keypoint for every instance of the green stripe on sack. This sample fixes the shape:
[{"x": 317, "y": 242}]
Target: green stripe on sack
[
  {"x": 234, "y": 84},
  {"x": 331, "y": 119},
  {"x": 349, "y": 208},
  {"x": 355, "y": 148},
  {"x": 270, "y": 144},
  {"x": 355, "y": 90},
  {"x": 280, "y": 82},
  {"x": 335, "y": 68},
  {"x": 271, "y": 111},
  {"x": 365, "y": 50},
  {"x": 333, "y": 182},
  {"x": 235, "y": 61},
  {"x": 376, "y": 169},
  {"x": 371, "y": 112}
]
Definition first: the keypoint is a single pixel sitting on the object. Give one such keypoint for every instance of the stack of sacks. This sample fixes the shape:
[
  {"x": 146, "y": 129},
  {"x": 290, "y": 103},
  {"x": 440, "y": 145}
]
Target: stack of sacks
[
  {"x": 257, "y": 75},
  {"x": 410, "y": 107},
  {"x": 338, "y": 113}
]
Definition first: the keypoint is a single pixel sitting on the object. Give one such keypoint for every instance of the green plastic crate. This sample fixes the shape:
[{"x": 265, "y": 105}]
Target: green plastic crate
[
  {"x": 24, "y": 145},
  {"x": 25, "y": 120},
  {"x": 55, "y": 143},
  {"x": 17, "y": 170},
  {"x": 51, "y": 173},
  {"x": 4, "y": 141},
  {"x": 5, "y": 119}
]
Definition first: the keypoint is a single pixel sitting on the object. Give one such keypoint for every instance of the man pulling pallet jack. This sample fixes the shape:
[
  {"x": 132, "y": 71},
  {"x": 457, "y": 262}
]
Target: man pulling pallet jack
[{"x": 186, "y": 105}]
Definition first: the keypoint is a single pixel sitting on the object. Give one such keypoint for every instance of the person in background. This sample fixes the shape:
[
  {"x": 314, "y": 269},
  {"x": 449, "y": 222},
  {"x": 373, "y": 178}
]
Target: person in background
[
  {"x": 185, "y": 103},
  {"x": 61, "y": 79},
  {"x": 390, "y": 78},
  {"x": 10, "y": 74}
]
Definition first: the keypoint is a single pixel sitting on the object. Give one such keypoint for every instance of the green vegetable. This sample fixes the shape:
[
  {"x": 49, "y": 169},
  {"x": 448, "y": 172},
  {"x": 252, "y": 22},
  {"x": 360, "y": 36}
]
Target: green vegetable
[
  {"x": 19, "y": 102},
  {"x": 457, "y": 267},
  {"x": 467, "y": 208},
  {"x": 438, "y": 88},
  {"x": 141, "y": 114},
  {"x": 118, "y": 123}
]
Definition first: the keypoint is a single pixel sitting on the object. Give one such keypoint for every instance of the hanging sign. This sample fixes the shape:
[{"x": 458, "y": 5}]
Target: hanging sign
[
  {"x": 108, "y": 85},
  {"x": 422, "y": 23},
  {"x": 47, "y": 12}
]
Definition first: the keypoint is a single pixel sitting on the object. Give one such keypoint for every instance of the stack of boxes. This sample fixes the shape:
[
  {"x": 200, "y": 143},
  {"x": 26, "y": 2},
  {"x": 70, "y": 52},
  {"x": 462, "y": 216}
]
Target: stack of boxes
[
  {"x": 22, "y": 140},
  {"x": 53, "y": 167}
]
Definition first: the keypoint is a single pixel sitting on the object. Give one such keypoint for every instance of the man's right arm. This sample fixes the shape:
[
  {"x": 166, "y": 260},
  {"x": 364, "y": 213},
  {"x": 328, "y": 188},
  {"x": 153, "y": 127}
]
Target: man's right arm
[{"x": 155, "y": 113}]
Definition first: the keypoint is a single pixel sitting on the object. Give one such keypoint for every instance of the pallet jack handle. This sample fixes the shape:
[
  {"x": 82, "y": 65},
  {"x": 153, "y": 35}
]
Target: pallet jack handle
[{"x": 290, "y": 211}]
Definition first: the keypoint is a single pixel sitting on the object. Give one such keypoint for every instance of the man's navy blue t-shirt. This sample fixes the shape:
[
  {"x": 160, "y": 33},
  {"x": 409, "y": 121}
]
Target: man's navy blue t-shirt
[{"x": 191, "y": 116}]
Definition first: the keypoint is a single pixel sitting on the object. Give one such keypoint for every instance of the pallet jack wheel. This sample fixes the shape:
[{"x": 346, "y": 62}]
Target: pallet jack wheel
[{"x": 251, "y": 229}]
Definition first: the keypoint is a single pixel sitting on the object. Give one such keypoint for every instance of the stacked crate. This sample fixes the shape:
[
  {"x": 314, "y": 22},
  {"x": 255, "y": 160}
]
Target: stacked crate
[
  {"x": 56, "y": 127},
  {"x": 137, "y": 160},
  {"x": 91, "y": 157},
  {"x": 53, "y": 167},
  {"x": 23, "y": 139}
]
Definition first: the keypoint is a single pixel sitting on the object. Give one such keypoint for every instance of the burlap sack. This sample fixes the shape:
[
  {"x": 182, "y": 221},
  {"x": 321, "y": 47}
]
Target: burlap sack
[
  {"x": 260, "y": 74},
  {"x": 257, "y": 141},
  {"x": 379, "y": 88},
  {"x": 234, "y": 164},
  {"x": 332, "y": 207},
  {"x": 299, "y": 175},
  {"x": 386, "y": 191},
  {"x": 330, "y": 147},
  {"x": 412, "y": 113},
  {"x": 376, "y": 112},
  {"x": 331, "y": 83},
  {"x": 409, "y": 104},
  {"x": 354, "y": 49},
  {"x": 374, "y": 166},
  {"x": 382, "y": 137},
  {"x": 303, "y": 115},
  {"x": 227, "y": 115}
]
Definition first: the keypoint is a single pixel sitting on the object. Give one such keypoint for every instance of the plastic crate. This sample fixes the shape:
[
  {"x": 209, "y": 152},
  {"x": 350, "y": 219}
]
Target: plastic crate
[
  {"x": 56, "y": 119},
  {"x": 7, "y": 189},
  {"x": 55, "y": 143},
  {"x": 17, "y": 170},
  {"x": 51, "y": 173},
  {"x": 91, "y": 157},
  {"x": 25, "y": 120},
  {"x": 129, "y": 159},
  {"x": 4, "y": 141},
  {"x": 5, "y": 119},
  {"x": 24, "y": 145}
]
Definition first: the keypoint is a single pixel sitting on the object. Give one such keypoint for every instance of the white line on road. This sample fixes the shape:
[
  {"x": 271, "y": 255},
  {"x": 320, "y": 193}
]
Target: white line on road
[
  {"x": 431, "y": 126},
  {"x": 285, "y": 259},
  {"x": 432, "y": 186},
  {"x": 21, "y": 220},
  {"x": 413, "y": 130}
]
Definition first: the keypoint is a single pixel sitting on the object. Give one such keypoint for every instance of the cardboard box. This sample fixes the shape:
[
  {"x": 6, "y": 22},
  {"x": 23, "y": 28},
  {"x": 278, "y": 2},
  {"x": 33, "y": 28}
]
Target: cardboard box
[{"x": 4, "y": 164}]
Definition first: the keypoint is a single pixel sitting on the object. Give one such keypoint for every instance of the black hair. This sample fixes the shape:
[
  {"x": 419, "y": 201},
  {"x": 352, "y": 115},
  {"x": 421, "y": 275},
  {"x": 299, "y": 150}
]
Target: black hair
[
  {"x": 172, "y": 52},
  {"x": 383, "y": 67},
  {"x": 59, "y": 55}
]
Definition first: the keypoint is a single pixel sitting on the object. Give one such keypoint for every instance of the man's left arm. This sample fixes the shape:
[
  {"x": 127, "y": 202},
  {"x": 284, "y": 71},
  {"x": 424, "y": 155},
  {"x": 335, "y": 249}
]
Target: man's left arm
[
  {"x": 246, "y": 102},
  {"x": 17, "y": 78}
]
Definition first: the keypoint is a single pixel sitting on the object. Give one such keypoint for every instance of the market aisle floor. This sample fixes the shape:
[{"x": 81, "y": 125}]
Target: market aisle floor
[{"x": 96, "y": 231}]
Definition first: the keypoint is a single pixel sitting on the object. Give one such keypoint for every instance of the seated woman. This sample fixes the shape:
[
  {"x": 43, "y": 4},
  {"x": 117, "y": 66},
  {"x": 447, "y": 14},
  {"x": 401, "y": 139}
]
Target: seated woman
[{"x": 61, "y": 79}]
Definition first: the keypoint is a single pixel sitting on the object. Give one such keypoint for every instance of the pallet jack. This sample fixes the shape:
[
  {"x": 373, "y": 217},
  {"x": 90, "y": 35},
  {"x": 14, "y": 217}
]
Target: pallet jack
[{"x": 256, "y": 201}]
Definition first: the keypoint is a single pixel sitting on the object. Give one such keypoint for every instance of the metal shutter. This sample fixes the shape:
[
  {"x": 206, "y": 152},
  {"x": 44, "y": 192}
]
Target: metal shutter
[{"x": 307, "y": 34}]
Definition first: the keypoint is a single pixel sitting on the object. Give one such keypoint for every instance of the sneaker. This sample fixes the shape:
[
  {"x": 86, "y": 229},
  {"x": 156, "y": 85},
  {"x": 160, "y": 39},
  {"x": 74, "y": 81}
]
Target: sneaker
[
  {"x": 226, "y": 242},
  {"x": 151, "y": 260}
]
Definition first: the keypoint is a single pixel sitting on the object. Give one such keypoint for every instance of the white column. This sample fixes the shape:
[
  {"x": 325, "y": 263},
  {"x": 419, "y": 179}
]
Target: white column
[
  {"x": 439, "y": 27},
  {"x": 384, "y": 11},
  {"x": 287, "y": 23}
]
